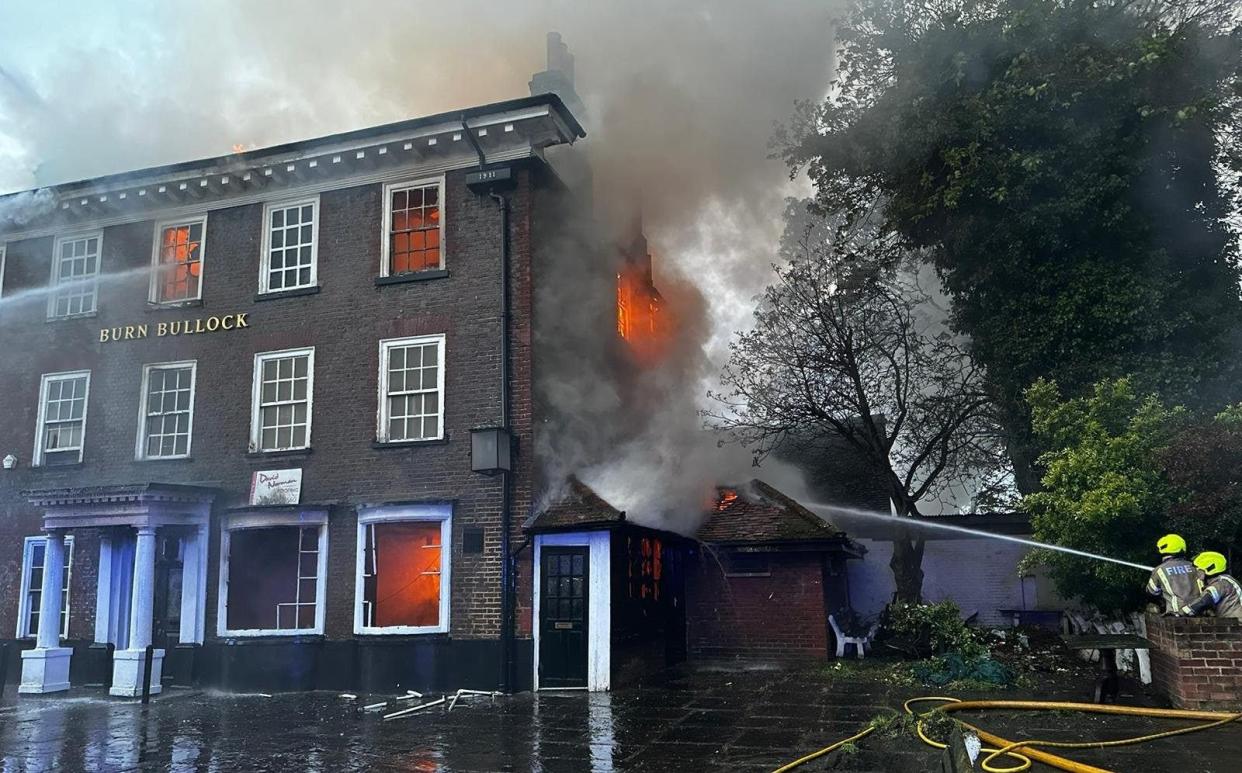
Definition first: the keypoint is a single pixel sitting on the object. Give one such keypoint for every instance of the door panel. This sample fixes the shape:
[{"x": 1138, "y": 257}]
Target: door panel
[{"x": 563, "y": 616}]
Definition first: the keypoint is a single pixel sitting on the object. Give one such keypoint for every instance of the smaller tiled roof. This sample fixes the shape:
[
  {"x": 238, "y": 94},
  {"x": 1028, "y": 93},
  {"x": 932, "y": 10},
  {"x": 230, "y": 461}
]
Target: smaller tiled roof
[
  {"x": 757, "y": 513},
  {"x": 577, "y": 507}
]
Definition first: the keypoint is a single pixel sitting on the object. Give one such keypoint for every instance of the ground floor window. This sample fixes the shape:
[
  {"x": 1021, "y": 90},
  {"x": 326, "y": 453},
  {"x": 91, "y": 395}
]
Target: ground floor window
[
  {"x": 33, "y": 560},
  {"x": 403, "y": 570},
  {"x": 272, "y": 580}
]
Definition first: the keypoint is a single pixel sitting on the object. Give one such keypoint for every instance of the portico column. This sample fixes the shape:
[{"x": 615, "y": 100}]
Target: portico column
[
  {"x": 144, "y": 590},
  {"x": 52, "y": 590},
  {"x": 129, "y": 665},
  {"x": 46, "y": 667}
]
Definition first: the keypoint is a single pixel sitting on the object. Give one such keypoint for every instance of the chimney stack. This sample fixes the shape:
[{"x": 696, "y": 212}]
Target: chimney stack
[{"x": 559, "y": 77}]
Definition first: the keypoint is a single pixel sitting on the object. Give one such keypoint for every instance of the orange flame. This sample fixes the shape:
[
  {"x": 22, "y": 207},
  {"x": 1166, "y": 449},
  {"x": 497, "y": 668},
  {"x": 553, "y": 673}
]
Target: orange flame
[{"x": 727, "y": 497}]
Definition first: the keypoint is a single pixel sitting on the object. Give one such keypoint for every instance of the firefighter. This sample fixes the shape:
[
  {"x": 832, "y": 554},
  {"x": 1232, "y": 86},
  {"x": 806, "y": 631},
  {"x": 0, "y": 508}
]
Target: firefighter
[
  {"x": 1176, "y": 580},
  {"x": 1222, "y": 593}
]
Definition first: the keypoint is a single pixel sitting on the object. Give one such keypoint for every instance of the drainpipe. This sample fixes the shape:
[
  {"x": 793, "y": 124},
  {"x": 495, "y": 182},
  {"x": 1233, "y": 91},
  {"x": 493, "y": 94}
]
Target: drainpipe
[{"x": 507, "y": 591}]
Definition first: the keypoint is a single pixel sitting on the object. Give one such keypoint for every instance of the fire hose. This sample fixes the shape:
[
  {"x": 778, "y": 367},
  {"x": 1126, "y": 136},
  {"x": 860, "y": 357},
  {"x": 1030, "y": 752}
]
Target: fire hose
[{"x": 1001, "y": 747}]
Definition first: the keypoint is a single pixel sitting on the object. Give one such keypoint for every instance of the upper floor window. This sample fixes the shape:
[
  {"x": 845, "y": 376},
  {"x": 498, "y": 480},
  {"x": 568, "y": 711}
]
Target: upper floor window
[
  {"x": 414, "y": 227},
  {"x": 75, "y": 271},
  {"x": 411, "y": 389},
  {"x": 167, "y": 411},
  {"x": 290, "y": 236},
  {"x": 33, "y": 561},
  {"x": 178, "y": 261},
  {"x": 62, "y": 418},
  {"x": 283, "y": 390}
]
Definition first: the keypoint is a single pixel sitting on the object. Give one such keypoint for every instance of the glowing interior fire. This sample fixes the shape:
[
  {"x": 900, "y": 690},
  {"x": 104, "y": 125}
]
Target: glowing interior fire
[
  {"x": 727, "y": 497},
  {"x": 641, "y": 318}
]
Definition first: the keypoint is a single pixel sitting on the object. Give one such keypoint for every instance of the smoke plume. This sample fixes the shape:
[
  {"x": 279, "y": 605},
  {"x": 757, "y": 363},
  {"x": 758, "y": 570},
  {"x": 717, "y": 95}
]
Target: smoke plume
[{"x": 681, "y": 99}]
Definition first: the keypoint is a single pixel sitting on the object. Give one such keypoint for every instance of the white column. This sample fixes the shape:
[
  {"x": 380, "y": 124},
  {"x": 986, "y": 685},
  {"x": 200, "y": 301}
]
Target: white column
[
  {"x": 103, "y": 591},
  {"x": 53, "y": 587},
  {"x": 193, "y": 569},
  {"x": 46, "y": 667},
  {"x": 129, "y": 665},
  {"x": 141, "y": 610}
]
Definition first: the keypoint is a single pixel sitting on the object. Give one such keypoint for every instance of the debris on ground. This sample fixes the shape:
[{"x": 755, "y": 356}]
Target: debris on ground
[{"x": 419, "y": 707}]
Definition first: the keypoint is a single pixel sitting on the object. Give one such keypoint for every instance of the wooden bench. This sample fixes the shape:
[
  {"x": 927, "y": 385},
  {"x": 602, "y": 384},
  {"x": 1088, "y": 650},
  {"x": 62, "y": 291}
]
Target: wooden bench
[{"x": 1107, "y": 644}]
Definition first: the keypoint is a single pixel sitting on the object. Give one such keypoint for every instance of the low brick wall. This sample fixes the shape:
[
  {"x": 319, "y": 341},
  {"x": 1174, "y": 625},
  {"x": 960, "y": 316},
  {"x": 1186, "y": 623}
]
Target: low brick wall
[{"x": 1197, "y": 661}]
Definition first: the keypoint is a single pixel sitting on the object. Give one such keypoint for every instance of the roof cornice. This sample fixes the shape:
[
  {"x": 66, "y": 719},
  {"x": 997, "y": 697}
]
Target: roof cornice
[{"x": 505, "y": 131}]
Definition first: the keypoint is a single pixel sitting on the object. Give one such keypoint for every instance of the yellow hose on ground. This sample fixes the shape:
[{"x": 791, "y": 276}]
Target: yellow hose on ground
[
  {"x": 826, "y": 750},
  {"x": 1001, "y": 747}
]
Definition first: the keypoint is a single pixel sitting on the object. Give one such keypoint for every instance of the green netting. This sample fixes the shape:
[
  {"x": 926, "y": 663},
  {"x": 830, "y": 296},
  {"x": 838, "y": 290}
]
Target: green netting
[{"x": 952, "y": 667}]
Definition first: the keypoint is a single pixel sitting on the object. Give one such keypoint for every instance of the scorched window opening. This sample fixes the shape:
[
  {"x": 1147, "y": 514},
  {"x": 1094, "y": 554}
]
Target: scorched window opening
[
  {"x": 274, "y": 575},
  {"x": 178, "y": 261},
  {"x": 414, "y": 227},
  {"x": 403, "y": 570}
]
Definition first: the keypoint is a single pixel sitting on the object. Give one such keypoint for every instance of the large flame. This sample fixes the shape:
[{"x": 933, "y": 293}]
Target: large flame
[{"x": 641, "y": 318}]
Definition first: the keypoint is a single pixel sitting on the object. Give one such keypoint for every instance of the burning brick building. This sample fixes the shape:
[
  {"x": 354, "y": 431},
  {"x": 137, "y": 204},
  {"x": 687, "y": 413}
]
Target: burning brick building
[{"x": 271, "y": 412}]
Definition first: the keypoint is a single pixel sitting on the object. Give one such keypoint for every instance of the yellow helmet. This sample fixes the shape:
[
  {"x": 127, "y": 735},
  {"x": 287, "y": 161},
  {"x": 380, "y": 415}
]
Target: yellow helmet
[
  {"x": 1171, "y": 545},
  {"x": 1211, "y": 562}
]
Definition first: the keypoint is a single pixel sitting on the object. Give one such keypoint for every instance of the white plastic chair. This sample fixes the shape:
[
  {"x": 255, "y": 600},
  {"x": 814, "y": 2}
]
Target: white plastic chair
[{"x": 861, "y": 643}]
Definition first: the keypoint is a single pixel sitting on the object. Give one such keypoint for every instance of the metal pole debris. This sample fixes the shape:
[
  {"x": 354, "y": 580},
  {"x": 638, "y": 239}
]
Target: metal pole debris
[
  {"x": 460, "y": 693},
  {"x": 419, "y": 707},
  {"x": 376, "y": 706},
  {"x": 409, "y": 696}
]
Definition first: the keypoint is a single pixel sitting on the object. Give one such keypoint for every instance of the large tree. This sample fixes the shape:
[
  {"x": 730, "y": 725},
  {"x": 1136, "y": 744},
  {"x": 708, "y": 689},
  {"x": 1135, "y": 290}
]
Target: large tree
[
  {"x": 843, "y": 346},
  {"x": 1069, "y": 167},
  {"x": 1103, "y": 490}
]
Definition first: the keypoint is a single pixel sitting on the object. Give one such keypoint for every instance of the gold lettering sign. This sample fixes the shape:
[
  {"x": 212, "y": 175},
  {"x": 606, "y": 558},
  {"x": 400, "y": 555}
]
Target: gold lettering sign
[{"x": 176, "y": 328}]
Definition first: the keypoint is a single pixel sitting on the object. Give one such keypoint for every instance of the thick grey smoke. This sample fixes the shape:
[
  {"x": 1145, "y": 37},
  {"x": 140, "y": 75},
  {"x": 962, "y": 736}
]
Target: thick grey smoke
[{"x": 681, "y": 101}]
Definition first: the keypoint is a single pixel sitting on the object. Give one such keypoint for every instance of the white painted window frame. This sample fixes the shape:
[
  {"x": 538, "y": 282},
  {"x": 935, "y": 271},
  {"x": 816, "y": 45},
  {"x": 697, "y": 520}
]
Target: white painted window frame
[
  {"x": 381, "y": 412},
  {"x": 140, "y": 448},
  {"x": 386, "y": 235},
  {"x": 267, "y": 520},
  {"x": 3, "y": 250},
  {"x": 266, "y": 255},
  {"x": 442, "y": 512},
  {"x": 55, "y": 280},
  {"x": 44, "y": 382},
  {"x": 23, "y": 614},
  {"x": 256, "y": 393},
  {"x": 153, "y": 294}
]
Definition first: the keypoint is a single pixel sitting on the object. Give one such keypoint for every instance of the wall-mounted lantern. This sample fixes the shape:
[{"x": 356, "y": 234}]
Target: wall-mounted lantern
[
  {"x": 10, "y": 462},
  {"x": 491, "y": 450}
]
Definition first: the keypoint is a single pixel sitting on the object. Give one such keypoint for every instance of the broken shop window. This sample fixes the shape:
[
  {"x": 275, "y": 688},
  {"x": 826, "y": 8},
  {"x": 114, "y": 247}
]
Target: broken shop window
[
  {"x": 273, "y": 577},
  {"x": 401, "y": 575}
]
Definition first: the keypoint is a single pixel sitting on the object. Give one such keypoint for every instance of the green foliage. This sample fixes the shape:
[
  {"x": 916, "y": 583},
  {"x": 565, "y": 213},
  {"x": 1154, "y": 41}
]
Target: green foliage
[
  {"x": 1103, "y": 490},
  {"x": 920, "y": 630},
  {"x": 1069, "y": 168}
]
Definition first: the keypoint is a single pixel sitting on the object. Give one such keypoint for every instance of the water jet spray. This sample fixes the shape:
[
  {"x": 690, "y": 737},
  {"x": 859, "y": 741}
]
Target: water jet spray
[{"x": 893, "y": 520}]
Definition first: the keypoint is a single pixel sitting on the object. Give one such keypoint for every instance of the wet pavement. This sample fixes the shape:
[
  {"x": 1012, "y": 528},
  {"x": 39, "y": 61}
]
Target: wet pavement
[{"x": 693, "y": 721}]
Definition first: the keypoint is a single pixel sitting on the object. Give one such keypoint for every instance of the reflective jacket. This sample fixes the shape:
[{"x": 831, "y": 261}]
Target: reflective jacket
[
  {"x": 1177, "y": 581},
  {"x": 1226, "y": 596}
]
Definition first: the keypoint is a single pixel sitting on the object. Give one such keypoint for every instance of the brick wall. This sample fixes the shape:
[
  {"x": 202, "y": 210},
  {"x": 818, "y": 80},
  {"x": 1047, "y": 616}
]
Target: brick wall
[
  {"x": 344, "y": 321},
  {"x": 780, "y": 616},
  {"x": 1197, "y": 661}
]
